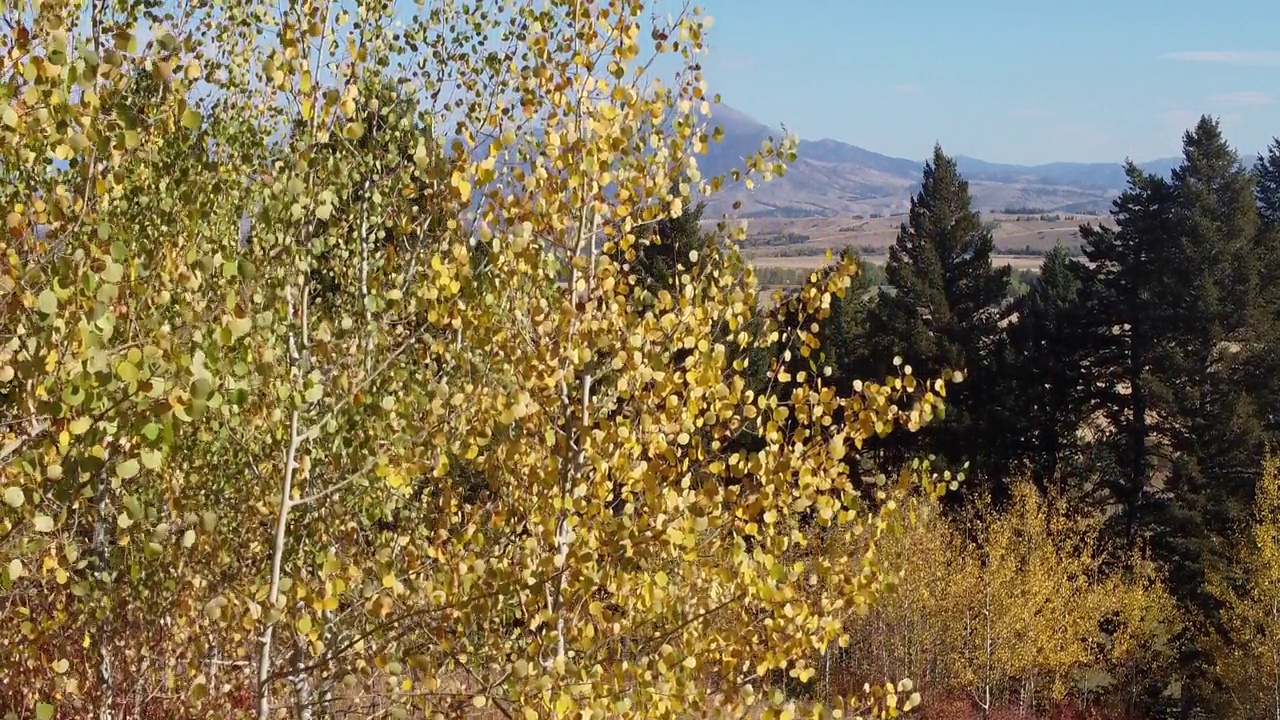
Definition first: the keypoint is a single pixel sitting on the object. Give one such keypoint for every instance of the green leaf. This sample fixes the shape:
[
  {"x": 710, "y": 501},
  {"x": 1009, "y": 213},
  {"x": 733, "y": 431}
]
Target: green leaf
[
  {"x": 239, "y": 327},
  {"x": 9, "y": 115},
  {"x": 151, "y": 431},
  {"x": 127, "y": 469},
  {"x": 314, "y": 393},
  {"x": 73, "y": 395},
  {"x": 151, "y": 459},
  {"x": 201, "y": 388},
  {"x": 47, "y": 303},
  {"x": 44, "y": 711},
  {"x": 43, "y": 523},
  {"x": 191, "y": 119},
  {"x": 13, "y": 497},
  {"x": 133, "y": 507},
  {"x": 127, "y": 372},
  {"x": 113, "y": 273}
]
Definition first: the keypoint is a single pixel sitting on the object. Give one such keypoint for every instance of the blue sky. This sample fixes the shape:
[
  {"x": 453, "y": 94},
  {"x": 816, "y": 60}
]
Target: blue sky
[{"x": 1002, "y": 80}]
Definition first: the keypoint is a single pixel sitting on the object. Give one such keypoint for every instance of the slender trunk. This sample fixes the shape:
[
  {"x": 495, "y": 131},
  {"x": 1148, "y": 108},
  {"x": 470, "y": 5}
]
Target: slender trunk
[
  {"x": 277, "y": 558},
  {"x": 282, "y": 517},
  {"x": 303, "y": 692},
  {"x": 986, "y": 690},
  {"x": 827, "y": 679},
  {"x": 575, "y": 428},
  {"x": 103, "y": 522}
]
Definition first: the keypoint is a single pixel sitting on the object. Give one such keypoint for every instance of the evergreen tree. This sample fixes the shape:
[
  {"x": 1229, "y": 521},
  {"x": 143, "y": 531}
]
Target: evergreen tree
[
  {"x": 1129, "y": 319},
  {"x": 943, "y": 315},
  {"x": 665, "y": 246},
  {"x": 1048, "y": 372},
  {"x": 1216, "y": 331},
  {"x": 1267, "y": 191},
  {"x": 844, "y": 333}
]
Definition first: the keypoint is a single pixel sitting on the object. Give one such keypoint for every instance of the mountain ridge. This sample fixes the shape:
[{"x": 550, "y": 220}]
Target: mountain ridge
[{"x": 833, "y": 177}]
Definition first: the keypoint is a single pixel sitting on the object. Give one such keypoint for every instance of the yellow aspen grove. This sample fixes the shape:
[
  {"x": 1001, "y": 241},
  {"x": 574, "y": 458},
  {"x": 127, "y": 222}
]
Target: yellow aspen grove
[
  {"x": 1000, "y": 610},
  {"x": 327, "y": 386},
  {"x": 1247, "y": 656}
]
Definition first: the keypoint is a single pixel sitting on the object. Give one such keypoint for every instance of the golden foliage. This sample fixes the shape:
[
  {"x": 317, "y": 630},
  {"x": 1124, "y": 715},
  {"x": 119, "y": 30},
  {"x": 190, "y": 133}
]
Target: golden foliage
[
  {"x": 1247, "y": 654},
  {"x": 1011, "y": 605},
  {"x": 418, "y": 426}
]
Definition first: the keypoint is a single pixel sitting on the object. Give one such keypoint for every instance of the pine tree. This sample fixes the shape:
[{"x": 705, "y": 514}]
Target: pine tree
[
  {"x": 844, "y": 333},
  {"x": 1267, "y": 191},
  {"x": 1128, "y": 319},
  {"x": 1218, "y": 435},
  {"x": 1218, "y": 449},
  {"x": 1048, "y": 371},
  {"x": 665, "y": 246},
  {"x": 1266, "y": 171},
  {"x": 944, "y": 311}
]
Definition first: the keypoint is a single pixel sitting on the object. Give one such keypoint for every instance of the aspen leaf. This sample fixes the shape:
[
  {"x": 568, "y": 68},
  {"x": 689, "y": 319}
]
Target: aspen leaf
[
  {"x": 14, "y": 497},
  {"x": 42, "y": 523},
  {"x": 151, "y": 459},
  {"x": 191, "y": 119},
  {"x": 127, "y": 469},
  {"x": 47, "y": 302},
  {"x": 127, "y": 371}
]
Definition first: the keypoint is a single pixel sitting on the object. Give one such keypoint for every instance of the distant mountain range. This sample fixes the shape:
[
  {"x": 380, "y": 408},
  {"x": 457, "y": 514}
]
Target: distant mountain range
[{"x": 831, "y": 178}]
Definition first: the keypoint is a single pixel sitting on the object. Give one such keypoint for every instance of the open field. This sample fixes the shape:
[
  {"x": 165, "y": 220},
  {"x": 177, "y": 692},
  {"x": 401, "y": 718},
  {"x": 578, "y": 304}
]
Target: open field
[
  {"x": 802, "y": 242},
  {"x": 810, "y": 262}
]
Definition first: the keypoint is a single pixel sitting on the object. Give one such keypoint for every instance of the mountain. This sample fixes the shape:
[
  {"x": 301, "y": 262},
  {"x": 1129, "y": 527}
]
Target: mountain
[
  {"x": 832, "y": 178},
  {"x": 1103, "y": 176}
]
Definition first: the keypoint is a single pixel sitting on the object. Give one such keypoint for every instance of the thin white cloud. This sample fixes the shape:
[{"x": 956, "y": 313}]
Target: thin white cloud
[
  {"x": 1033, "y": 113},
  {"x": 1245, "y": 99},
  {"x": 1262, "y": 58},
  {"x": 907, "y": 89}
]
